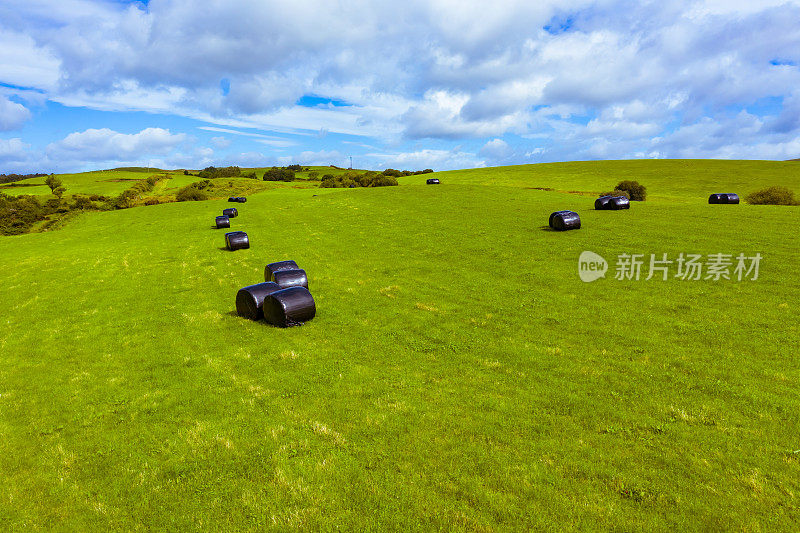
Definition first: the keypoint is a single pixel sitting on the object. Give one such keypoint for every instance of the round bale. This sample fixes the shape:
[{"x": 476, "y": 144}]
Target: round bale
[
  {"x": 715, "y": 199},
  {"x": 553, "y": 215},
  {"x": 250, "y": 299},
  {"x": 291, "y": 278},
  {"x": 432, "y": 181},
  {"x": 241, "y": 199},
  {"x": 223, "y": 222},
  {"x": 566, "y": 221},
  {"x": 230, "y": 212},
  {"x": 618, "y": 202},
  {"x": 233, "y": 199},
  {"x": 289, "y": 307},
  {"x": 270, "y": 269},
  {"x": 732, "y": 198},
  {"x": 237, "y": 240},
  {"x": 602, "y": 203}
]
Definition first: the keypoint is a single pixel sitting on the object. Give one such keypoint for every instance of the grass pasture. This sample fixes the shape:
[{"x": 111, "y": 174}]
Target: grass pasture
[{"x": 458, "y": 375}]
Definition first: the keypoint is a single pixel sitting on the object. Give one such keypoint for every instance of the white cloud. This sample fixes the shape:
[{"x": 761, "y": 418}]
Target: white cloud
[
  {"x": 108, "y": 145},
  {"x": 12, "y": 114},
  {"x": 496, "y": 149},
  {"x": 221, "y": 142},
  {"x": 13, "y": 150}
]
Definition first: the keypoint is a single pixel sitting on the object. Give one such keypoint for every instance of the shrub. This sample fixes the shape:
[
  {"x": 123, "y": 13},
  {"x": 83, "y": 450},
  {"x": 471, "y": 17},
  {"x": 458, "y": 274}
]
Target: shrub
[
  {"x": 152, "y": 201},
  {"x": 188, "y": 194},
  {"x": 775, "y": 195},
  {"x": 194, "y": 191},
  {"x": 617, "y": 192},
  {"x": 296, "y": 168},
  {"x": 279, "y": 174},
  {"x": 82, "y": 202},
  {"x": 313, "y": 175},
  {"x": 636, "y": 190}
]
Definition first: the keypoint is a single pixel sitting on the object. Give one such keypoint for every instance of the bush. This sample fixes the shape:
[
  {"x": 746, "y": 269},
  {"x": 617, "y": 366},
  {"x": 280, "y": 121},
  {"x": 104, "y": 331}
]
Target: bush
[
  {"x": 226, "y": 172},
  {"x": 194, "y": 191},
  {"x": 617, "y": 192},
  {"x": 296, "y": 168},
  {"x": 152, "y": 201},
  {"x": 313, "y": 175},
  {"x": 190, "y": 194},
  {"x": 635, "y": 190},
  {"x": 279, "y": 174},
  {"x": 776, "y": 195}
]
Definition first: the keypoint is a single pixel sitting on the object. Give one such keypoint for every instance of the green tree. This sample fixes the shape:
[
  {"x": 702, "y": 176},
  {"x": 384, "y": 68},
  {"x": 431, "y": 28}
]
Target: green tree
[{"x": 54, "y": 183}]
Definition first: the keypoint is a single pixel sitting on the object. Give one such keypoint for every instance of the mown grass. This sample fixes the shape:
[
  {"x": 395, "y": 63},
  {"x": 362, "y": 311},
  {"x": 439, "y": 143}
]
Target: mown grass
[{"x": 458, "y": 374}]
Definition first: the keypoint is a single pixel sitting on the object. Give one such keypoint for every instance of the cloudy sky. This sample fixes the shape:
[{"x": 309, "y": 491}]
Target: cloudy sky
[{"x": 89, "y": 84}]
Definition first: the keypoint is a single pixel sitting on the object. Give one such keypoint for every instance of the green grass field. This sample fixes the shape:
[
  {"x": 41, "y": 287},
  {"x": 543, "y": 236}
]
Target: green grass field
[{"x": 458, "y": 375}]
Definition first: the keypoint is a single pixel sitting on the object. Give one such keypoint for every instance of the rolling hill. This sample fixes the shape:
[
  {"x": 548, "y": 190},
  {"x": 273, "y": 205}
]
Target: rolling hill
[{"x": 458, "y": 375}]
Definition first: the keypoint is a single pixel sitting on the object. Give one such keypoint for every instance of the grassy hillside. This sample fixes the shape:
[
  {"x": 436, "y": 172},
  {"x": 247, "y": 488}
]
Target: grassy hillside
[{"x": 458, "y": 374}]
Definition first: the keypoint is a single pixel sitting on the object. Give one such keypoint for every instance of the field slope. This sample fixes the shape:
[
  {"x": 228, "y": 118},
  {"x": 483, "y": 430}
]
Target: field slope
[{"x": 458, "y": 375}]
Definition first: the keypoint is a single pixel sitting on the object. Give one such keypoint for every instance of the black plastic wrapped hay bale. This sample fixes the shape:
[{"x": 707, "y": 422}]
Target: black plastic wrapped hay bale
[
  {"x": 233, "y": 199},
  {"x": 732, "y": 198},
  {"x": 432, "y": 181},
  {"x": 270, "y": 269},
  {"x": 553, "y": 215},
  {"x": 715, "y": 199},
  {"x": 227, "y": 238},
  {"x": 564, "y": 221},
  {"x": 618, "y": 202},
  {"x": 602, "y": 203},
  {"x": 230, "y": 212},
  {"x": 291, "y": 278},
  {"x": 237, "y": 240},
  {"x": 250, "y": 299},
  {"x": 241, "y": 199},
  {"x": 289, "y": 307},
  {"x": 223, "y": 222}
]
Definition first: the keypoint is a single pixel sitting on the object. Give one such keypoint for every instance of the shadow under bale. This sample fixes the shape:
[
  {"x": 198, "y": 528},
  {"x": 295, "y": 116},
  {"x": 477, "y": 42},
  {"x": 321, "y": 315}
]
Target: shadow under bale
[
  {"x": 723, "y": 198},
  {"x": 432, "y": 181},
  {"x": 553, "y": 215},
  {"x": 230, "y": 212},
  {"x": 291, "y": 278},
  {"x": 237, "y": 240},
  {"x": 223, "y": 222},
  {"x": 618, "y": 202},
  {"x": 563, "y": 221},
  {"x": 289, "y": 307},
  {"x": 270, "y": 269},
  {"x": 250, "y": 299}
]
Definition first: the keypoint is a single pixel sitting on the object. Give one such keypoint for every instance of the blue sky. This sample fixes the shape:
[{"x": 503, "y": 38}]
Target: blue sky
[{"x": 423, "y": 84}]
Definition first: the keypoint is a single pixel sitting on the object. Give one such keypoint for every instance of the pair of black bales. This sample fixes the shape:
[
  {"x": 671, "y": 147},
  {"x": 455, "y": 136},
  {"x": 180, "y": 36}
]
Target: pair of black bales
[
  {"x": 566, "y": 220},
  {"x": 283, "y": 299}
]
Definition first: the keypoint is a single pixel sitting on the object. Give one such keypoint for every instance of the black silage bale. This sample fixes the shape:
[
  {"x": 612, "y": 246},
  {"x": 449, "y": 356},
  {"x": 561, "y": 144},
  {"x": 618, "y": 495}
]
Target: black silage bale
[
  {"x": 233, "y": 199},
  {"x": 602, "y": 203},
  {"x": 715, "y": 199},
  {"x": 566, "y": 221},
  {"x": 732, "y": 198},
  {"x": 270, "y": 269},
  {"x": 250, "y": 299},
  {"x": 223, "y": 222},
  {"x": 618, "y": 202},
  {"x": 237, "y": 240},
  {"x": 241, "y": 199},
  {"x": 553, "y": 215},
  {"x": 432, "y": 181},
  {"x": 289, "y": 307},
  {"x": 291, "y": 278},
  {"x": 230, "y": 212}
]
